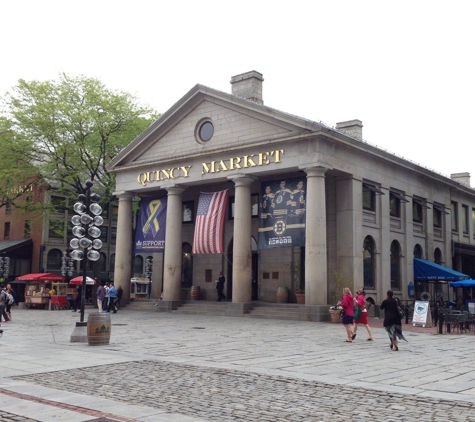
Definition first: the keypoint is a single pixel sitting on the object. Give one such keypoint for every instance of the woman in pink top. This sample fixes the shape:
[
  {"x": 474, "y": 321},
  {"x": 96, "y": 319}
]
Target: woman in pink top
[
  {"x": 363, "y": 306},
  {"x": 348, "y": 303}
]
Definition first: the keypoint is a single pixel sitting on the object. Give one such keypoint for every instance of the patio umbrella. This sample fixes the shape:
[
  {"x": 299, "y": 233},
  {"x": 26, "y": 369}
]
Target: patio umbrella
[{"x": 78, "y": 280}]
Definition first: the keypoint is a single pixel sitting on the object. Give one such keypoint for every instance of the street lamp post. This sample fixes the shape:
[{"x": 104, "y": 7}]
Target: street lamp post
[{"x": 85, "y": 245}]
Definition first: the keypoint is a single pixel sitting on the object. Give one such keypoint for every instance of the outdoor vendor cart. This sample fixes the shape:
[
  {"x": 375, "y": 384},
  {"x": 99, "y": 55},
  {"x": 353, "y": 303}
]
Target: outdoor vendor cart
[{"x": 45, "y": 290}]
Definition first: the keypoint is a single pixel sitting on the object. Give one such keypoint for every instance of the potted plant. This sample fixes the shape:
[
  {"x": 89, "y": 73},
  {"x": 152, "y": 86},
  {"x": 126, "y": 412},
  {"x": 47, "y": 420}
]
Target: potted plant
[
  {"x": 335, "y": 313},
  {"x": 300, "y": 296}
]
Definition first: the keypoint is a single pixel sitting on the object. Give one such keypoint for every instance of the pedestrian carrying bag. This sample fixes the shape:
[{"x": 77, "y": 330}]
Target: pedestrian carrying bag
[{"x": 401, "y": 312}]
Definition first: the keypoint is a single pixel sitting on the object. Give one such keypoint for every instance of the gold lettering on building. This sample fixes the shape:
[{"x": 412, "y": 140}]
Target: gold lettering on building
[
  {"x": 163, "y": 174},
  {"x": 246, "y": 161}
]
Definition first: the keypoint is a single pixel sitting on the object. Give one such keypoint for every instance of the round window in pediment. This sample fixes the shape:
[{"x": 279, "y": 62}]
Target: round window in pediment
[{"x": 205, "y": 130}]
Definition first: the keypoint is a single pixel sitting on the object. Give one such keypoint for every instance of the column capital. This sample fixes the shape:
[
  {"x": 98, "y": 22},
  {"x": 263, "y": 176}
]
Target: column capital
[
  {"x": 124, "y": 196},
  {"x": 316, "y": 171},
  {"x": 242, "y": 179},
  {"x": 175, "y": 190}
]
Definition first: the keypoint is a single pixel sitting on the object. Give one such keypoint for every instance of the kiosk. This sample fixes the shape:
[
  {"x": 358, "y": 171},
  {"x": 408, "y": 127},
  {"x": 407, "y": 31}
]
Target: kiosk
[{"x": 139, "y": 288}]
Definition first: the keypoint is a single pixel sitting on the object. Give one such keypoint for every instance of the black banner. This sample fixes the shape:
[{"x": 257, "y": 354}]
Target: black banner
[{"x": 282, "y": 213}]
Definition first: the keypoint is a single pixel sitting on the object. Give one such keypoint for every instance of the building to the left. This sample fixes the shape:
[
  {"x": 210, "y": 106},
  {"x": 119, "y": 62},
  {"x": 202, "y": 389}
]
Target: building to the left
[{"x": 35, "y": 241}]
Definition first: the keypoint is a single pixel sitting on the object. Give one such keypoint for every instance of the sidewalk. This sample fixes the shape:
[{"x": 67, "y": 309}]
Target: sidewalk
[{"x": 168, "y": 367}]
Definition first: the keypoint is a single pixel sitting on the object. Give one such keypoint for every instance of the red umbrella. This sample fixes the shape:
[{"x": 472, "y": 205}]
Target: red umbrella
[
  {"x": 41, "y": 277},
  {"x": 78, "y": 280}
]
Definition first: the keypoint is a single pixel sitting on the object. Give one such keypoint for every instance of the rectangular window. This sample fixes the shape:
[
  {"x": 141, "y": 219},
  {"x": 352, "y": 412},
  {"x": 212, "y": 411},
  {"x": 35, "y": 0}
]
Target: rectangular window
[
  {"x": 473, "y": 221},
  {"x": 27, "y": 229},
  {"x": 58, "y": 203},
  {"x": 114, "y": 212},
  {"x": 368, "y": 199},
  {"x": 113, "y": 235},
  {"x": 56, "y": 229},
  {"x": 369, "y": 196},
  {"x": 395, "y": 200},
  {"x": 416, "y": 211},
  {"x": 453, "y": 212},
  {"x": 437, "y": 217},
  {"x": 8, "y": 207},
  {"x": 465, "y": 218},
  {"x": 104, "y": 234},
  {"x": 6, "y": 231},
  {"x": 208, "y": 276}
]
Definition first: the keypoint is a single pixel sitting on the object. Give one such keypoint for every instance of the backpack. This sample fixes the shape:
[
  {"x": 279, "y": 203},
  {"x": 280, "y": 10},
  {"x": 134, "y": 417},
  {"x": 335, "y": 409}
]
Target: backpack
[{"x": 8, "y": 298}]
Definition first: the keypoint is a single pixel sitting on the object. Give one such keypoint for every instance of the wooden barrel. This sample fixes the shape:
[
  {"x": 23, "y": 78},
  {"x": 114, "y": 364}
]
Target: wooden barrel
[
  {"x": 98, "y": 328},
  {"x": 195, "y": 292},
  {"x": 282, "y": 295}
]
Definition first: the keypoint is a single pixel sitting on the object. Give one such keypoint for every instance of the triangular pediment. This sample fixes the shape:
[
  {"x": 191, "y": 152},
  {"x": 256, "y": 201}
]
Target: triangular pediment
[{"x": 237, "y": 123}]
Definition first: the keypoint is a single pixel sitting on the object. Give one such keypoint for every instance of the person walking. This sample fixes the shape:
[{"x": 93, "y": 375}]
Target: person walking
[
  {"x": 363, "y": 306},
  {"x": 347, "y": 303},
  {"x": 77, "y": 300},
  {"x": 8, "y": 305},
  {"x": 105, "y": 302},
  {"x": 112, "y": 298},
  {"x": 392, "y": 320},
  {"x": 100, "y": 294},
  {"x": 119, "y": 297},
  {"x": 3, "y": 300},
  {"x": 220, "y": 286}
]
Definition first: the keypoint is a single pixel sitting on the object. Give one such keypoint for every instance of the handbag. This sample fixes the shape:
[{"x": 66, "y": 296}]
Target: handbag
[
  {"x": 357, "y": 311},
  {"x": 342, "y": 313},
  {"x": 402, "y": 314}
]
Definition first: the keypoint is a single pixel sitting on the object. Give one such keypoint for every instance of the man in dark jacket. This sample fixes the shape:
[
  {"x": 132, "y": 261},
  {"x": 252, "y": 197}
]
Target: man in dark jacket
[{"x": 220, "y": 287}]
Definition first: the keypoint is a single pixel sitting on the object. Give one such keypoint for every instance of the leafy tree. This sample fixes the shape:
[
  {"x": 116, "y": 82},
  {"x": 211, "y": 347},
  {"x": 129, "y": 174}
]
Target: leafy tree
[{"x": 71, "y": 128}]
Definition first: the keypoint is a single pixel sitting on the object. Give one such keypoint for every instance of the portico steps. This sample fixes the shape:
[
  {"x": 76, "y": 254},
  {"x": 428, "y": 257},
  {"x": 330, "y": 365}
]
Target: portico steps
[{"x": 265, "y": 310}]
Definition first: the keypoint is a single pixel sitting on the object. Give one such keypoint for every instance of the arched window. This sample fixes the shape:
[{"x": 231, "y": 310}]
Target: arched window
[
  {"x": 138, "y": 265},
  {"x": 187, "y": 265},
  {"x": 418, "y": 253},
  {"x": 395, "y": 265},
  {"x": 368, "y": 263},
  {"x": 53, "y": 261},
  {"x": 112, "y": 263},
  {"x": 438, "y": 256}
]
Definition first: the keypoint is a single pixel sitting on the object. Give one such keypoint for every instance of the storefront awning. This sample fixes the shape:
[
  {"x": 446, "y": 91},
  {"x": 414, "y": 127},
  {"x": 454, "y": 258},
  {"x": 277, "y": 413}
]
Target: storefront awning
[
  {"x": 430, "y": 271},
  {"x": 10, "y": 245}
]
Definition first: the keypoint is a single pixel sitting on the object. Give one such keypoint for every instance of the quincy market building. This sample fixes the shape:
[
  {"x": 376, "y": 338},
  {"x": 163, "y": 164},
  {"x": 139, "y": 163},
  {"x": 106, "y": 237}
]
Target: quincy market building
[{"x": 366, "y": 213}]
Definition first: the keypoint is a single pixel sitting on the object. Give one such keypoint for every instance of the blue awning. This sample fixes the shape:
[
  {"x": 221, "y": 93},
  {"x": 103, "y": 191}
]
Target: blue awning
[
  {"x": 430, "y": 271},
  {"x": 463, "y": 283}
]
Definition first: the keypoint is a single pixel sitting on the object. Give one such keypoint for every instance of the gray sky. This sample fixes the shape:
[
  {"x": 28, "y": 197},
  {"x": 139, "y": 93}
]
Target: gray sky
[{"x": 406, "y": 68}]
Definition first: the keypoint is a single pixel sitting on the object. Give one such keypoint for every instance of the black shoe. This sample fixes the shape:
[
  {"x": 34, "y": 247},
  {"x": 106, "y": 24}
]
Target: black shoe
[{"x": 115, "y": 312}]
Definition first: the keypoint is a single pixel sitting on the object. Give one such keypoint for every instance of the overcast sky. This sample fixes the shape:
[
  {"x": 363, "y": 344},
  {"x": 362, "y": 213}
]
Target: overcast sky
[{"x": 405, "y": 69}]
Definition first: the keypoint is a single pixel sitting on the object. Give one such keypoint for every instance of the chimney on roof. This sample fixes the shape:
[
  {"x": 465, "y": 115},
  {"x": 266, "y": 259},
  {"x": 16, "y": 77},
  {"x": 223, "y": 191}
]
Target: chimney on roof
[
  {"x": 352, "y": 127},
  {"x": 463, "y": 178},
  {"x": 249, "y": 86}
]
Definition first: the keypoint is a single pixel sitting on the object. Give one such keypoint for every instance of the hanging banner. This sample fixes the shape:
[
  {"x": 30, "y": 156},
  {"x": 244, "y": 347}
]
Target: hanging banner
[
  {"x": 150, "y": 233},
  {"x": 282, "y": 213}
]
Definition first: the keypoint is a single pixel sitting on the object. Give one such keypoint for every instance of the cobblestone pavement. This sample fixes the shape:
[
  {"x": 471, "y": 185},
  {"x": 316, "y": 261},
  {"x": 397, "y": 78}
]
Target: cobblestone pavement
[
  {"x": 225, "y": 395},
  {"x": 168, "y": 367}
]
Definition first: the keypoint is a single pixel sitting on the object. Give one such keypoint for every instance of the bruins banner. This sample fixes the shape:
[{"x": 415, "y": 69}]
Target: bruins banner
[
  {"x": 282, "y": 213},
  {"x": 150, "y": 234}
]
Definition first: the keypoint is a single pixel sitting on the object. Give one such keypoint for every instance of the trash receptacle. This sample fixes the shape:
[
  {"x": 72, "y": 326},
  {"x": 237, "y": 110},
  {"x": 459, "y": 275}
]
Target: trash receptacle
[{"x": 98, "y": 328}]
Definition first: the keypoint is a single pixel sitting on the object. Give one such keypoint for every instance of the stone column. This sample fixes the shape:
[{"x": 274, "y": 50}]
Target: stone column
[
  {"x": 242, "y": 252},
  {"x": 123, "y": 250},
  {"x": 316, "y": 238},
  {"x": 173, "y": 248}
]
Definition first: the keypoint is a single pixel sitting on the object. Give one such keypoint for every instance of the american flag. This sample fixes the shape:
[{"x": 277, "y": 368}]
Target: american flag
[{"x": 210, "y": 222}]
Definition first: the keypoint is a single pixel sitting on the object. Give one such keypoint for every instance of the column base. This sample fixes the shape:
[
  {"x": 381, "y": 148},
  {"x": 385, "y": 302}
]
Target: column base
[
  {"x": 167, "y": 305},
  {"x": 314, "y": 313},
  {"x": 238, "y": 309}
]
